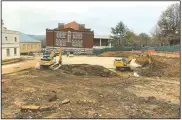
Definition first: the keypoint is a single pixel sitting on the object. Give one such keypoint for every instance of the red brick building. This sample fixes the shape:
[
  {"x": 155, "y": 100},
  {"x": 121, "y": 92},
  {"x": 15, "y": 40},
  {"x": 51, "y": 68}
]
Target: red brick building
[{"x": 71, "y": 37}]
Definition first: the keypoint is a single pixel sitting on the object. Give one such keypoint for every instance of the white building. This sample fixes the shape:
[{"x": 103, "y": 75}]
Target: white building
[
  {"x": 101, "y": 42},
  {"x": 10, "y": 44}
]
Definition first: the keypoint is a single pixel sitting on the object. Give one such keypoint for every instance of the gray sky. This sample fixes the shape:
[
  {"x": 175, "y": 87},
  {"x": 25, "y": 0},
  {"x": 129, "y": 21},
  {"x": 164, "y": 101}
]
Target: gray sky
[{"x": 34, "y": 17}]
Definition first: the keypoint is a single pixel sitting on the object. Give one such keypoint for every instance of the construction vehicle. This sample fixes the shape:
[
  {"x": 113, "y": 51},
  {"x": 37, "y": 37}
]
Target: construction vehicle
[
  {"x": 129, "y": 63},
  {"x": 51, "y": 59},
  {"x": 70, "y": 54}
]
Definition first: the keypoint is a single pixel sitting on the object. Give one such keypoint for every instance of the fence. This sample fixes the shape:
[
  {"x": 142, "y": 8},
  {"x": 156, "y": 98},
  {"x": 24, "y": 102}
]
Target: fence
[{"x": 156, "y": 48}]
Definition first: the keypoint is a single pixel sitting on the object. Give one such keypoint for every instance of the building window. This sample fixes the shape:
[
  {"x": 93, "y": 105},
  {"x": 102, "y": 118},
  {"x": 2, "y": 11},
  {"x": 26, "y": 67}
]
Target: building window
[
  {"x": 77, "y": 35},
  {"x": 57, "y": 42},
  {"x": 61, "y": 42},
  {"x": 64, "y": 42},
  {"x": 24, "y": 47},
  {"x": 15, "y": 51},
  {"x": 15, "y": 39},
  {"x": 61, "y": 34},
  {"x": 69, "y": 36},
  {"x": 73, "y": 42},
  {"x": 6, "y": 38},
  {"x": 8, "y": 52},
  {"x": 80, "y": 43}
]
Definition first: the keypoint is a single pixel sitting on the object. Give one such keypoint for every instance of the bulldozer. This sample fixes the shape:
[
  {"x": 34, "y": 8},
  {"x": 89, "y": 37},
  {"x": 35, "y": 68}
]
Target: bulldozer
[
  {"x": 51, "y": 59},
  {"x": 130, "y": 63}
]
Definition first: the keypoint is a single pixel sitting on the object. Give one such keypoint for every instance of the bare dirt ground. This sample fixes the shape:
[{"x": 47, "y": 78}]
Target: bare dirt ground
[
  {"x": 103, "y": 61},
  {"x": 92, "y": 93}
]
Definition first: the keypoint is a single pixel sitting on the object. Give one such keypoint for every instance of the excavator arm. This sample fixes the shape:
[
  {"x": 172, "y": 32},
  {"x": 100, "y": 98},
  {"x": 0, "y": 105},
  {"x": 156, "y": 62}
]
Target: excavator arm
[{"x": 55, "y": 60}]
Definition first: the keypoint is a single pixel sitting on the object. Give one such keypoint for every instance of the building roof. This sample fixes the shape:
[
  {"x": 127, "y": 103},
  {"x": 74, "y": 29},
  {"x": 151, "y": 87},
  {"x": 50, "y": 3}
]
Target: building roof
[
  {"x": 26, "y": 38},
  {"x": 102, "y": 36}
]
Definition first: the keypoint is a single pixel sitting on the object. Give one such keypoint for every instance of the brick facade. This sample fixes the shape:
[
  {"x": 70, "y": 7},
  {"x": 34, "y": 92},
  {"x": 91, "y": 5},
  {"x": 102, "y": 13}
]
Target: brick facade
[{"x": 71, "y": 35}]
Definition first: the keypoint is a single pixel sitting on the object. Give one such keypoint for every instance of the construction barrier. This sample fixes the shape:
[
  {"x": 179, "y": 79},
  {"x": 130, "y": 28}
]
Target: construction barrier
[{"x": 173, "y": 48}]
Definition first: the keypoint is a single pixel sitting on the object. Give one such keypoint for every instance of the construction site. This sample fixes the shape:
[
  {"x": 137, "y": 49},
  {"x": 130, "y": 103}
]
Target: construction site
[{"x": 89, "y": 86}]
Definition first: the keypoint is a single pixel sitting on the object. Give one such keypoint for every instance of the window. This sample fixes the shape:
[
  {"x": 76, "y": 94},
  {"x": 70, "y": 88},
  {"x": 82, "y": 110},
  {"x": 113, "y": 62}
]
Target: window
[
  {"x": 77, "y": 35},
  {"x": 73, "y": 42},
  {"x": 69, "y": 36},
  {"x": 80, "y": 43},
  {"x": 15, "y": 52},
  {"x": 8, "y": 52},
  {"x": 61, "y": 35},
  {"x": 15, "y": 39},
  {"x": 61, "y": 42},
  {"x": 57, "y": 42},
  {"x": 24, "y": 47},
  {"x": 64, "y": 42},
  {"x": 6, "y": 38}
]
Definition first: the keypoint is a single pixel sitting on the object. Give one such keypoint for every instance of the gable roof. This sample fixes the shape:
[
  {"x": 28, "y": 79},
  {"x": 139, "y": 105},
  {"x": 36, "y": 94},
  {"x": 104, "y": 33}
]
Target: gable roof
[
  {"x": 73, "y": 25},
  {"x": 26, "y": 38}
]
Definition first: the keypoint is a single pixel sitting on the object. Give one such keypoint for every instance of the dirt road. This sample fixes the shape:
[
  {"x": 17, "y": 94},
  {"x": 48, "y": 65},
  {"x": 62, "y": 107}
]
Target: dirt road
[{"x": 103, "y": 61}]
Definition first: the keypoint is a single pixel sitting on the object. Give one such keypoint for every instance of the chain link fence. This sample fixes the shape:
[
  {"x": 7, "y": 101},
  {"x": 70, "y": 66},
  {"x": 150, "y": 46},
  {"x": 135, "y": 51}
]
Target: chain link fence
[{"x": 173, "y": 48}]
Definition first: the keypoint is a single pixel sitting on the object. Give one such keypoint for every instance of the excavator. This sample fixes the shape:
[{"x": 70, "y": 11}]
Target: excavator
[
  {"x": 51, "y": 59},
  {"x": 129, "y": 63}
]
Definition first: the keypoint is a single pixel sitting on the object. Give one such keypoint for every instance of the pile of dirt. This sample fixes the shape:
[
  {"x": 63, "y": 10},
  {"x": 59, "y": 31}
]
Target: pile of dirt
[
  {"x": 118, "y": 54},
  {"x": 162, "y": 67},
  {"x": 143, "y": 60},
  {"x": 87, "y": 70}
]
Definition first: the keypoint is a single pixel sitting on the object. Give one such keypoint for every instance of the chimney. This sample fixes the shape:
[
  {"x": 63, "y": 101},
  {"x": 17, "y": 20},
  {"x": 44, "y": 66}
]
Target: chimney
[
  {"x": 60, "y": 26},
  {"x": 81, "y": 27}
]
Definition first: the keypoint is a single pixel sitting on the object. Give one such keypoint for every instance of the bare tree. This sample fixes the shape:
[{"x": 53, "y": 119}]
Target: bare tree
[
  {"x": 157, "y": 35},
  {"x": 169, "y": 23},
  {"x": 144, "y": 38}
]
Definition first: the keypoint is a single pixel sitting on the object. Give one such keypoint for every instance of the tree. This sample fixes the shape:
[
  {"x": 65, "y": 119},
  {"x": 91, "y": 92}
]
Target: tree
[
  {"x": 119, "y": 34},
  {"x": 157, "y": 35},
  {"x": 43, "y": 43},
  {"x": 169, "y": 23},
  {"x": 144, "y": 38},
  {"x": 132, "y": 38}
]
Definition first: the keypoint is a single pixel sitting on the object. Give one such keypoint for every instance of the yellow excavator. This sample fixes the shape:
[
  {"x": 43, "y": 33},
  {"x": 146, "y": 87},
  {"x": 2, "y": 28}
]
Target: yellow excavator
[
  {"x": 51, "y": 59},
  {"x": 129, "y": 63}
]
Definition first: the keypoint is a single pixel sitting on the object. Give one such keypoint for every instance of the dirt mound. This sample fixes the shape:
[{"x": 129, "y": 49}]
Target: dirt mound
[
  {"x": 118, "y": 54},
  {"x": 143, "y": 60},
  {"x": 162, "y": 67},
  {"x": 89, "y": 70}
]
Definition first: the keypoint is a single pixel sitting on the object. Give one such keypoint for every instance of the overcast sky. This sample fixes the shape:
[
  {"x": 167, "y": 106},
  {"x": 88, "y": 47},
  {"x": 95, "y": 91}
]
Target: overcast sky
[{"x": 34, "y": 17}]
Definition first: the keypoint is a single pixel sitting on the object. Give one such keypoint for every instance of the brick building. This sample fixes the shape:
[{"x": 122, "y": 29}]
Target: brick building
[{"x": 70, "y": 37}]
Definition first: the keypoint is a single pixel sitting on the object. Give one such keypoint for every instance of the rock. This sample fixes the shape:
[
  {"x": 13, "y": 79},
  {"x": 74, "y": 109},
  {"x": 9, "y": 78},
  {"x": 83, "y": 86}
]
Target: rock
[
  {"x": 37, "y": 66},
  {"x": 135, "y": 74},
  {"x": 32, "y": 108},
  {"x": 52, "y": 96},
  {"x": 65, "y": 101},
  {"x": 150, "y": 98},
  {"x": 147, "y": 99},
  {"x": 88, "y": 100},
  {"x": 45, "y": 108}
]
